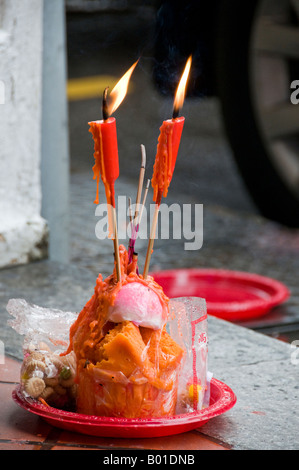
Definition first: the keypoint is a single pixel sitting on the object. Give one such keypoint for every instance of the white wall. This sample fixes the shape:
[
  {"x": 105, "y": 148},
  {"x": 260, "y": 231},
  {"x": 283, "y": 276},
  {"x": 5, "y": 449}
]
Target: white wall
[
  {"x": 55, "y": 149},
  {"x": 23, "y": 231}
]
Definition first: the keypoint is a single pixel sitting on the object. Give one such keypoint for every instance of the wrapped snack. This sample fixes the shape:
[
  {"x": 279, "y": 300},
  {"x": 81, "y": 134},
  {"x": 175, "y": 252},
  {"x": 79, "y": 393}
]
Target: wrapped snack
[
  {"x": 188, "y": 326},
  {"x": 45, "y": 375},
  {"x": 48, "y": 377}
]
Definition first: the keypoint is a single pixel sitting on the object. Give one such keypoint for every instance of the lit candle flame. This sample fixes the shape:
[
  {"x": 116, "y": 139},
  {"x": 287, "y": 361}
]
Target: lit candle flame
[
  {"x": 181, "y": 89},
  {"x": 119, "y": 92}
]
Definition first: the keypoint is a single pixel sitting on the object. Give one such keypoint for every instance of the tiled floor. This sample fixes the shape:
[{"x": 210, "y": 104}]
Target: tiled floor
[{"x": 21, "y": 430}]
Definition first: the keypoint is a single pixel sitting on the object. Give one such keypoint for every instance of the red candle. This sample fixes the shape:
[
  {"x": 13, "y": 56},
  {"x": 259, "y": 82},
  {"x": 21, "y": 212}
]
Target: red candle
[
  {"x": 106, "y": 164},
  {"x": 106, "y": 156},
  {"x": 105, "y": 138},
  {"x": 169, "y": 142},
  {"x": 167, "y": 151}
]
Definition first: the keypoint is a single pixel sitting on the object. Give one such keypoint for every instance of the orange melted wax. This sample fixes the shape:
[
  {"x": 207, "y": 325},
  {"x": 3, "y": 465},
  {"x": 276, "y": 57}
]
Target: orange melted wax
[
  {"x": 167, "y": 150},
  {"x": 91, "y": 325},
  {"x": 106, "y": 164},
  {"x": 122, "y": 369},
  {"x": 163, "y": 163}
]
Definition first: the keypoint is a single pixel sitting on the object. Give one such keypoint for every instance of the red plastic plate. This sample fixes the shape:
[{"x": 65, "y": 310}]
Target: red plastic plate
[
  {"x": 231, "y": 295},
  {"x": 222, "y": 399}
]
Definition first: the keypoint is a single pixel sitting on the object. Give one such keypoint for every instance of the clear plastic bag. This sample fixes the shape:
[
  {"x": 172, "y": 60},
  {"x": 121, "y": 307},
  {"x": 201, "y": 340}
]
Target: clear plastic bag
[
  {"x": 135, "y": 374},
  {"x": 44, "y": 374},
  {"x": 111, "y": 393},
  {"x": 169, "y": 374},
  {"x": 188, "y": 326},
  {"x": 39, "y": 324},
  {"x": 151, "y": 388}
]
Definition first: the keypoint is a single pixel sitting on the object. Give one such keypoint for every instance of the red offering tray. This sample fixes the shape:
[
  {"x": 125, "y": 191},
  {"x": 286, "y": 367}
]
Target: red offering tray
[
  {"x": 231, "y": 295},
  {"x": 222, "y": 399}
]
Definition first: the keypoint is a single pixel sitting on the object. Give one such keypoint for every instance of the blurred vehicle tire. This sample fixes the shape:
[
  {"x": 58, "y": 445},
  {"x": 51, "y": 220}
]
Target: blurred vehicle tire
[
  {"x": 256, "y": 61},
  {"x": 246, "y": 53}
]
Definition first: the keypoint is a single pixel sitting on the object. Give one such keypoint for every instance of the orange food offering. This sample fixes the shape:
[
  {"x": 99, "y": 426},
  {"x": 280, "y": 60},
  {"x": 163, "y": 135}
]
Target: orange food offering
[{"x": 122, "y": 369}]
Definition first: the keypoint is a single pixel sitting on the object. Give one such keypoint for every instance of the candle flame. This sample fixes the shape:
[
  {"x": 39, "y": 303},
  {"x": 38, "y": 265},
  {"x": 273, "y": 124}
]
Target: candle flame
[
  {"x": 119, "y": 92},
  {"x": 181, "y": 89}
]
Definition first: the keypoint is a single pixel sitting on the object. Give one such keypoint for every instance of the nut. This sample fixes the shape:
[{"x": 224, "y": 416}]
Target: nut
[
  {"x": 33, "y": 365},
  {"x": 34, "y": 386},
  {"x": 60, "y": 390},
  {"x": 52, "y": 381},
  {"x": 48, "y": 391}
]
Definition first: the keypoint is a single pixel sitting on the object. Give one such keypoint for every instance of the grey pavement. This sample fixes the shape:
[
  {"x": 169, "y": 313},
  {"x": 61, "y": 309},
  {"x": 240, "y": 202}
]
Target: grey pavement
[{"x": 260, "y": 371}]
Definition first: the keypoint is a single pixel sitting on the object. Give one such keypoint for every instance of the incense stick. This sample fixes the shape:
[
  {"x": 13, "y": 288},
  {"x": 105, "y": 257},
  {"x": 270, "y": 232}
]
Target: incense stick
[
  {"x": 130, "y": 210},
  {"x": 134, "y": 224},
  {"x": 151, "y": 241},
  {"x": 152, "y": 235},
  {"x": 143, "y": 202},
  {"x": 140, "y": 182},
  {"x": 131, "y": 241},
  {"x": 136, "y": 228},
  {"x": 116, "y": 246}
]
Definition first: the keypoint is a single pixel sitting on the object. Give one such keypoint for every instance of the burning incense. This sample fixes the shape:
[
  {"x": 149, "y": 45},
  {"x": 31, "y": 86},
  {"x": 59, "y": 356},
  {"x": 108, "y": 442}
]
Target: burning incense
[
  {"x": 152, "y": 237},
  {"x": 143, "y": 202},
  {"x": 135, "y": 228},
  {"x": 140, "y": 182},
  {"x": 130, "y": 210},
  {"x": 116, "y": 247},
  {"x": 131, "y": 242},
  {"x": 135, "y": 224}
]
